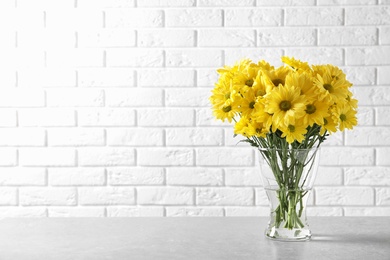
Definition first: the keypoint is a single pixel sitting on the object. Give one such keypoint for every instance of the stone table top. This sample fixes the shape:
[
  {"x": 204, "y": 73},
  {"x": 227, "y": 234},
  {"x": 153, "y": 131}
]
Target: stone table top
[{"x": 189, "y": 238}]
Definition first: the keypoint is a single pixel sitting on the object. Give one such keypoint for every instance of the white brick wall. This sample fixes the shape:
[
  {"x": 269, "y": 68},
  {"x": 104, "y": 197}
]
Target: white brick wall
[{"x": 104, "y": 105}]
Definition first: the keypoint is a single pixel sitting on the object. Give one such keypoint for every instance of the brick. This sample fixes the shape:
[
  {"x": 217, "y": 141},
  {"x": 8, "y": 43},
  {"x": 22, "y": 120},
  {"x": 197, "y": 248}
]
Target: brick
[
  {"x": 106, "y": 38},
  {"x": 22, "y": 97},
  {"x": 165, "y": 196},
  {"x": 318, "y": 55},
  {"x": 194, "y": 212},
  {"x": 46, "y": 78},
  {"x": 226, "y": 38},
  {"x": 135, "y": 137},
  {"x": 107, "y": 77},
  {"x": 261, "y": 197},
  {"x": 367, "y": 15},
  {"x": 46, "y": 38},
  {"x": 106, "y": 117},
  {"x": 81, "y": 18},
  {"x": 206, "y": 77},
  {"x": 44, "y": 4},
  {"x": 344, "y": 196},
  {"x": 133, "y": 18},
  {"x": 365, "y": 116},
  {"x": 22, "y": 176},
  {"x": 106, "y": 196},
  {"x": 247, "y": 211},
  {"x": 105, "y": 3},
  {"x": 165, "y": 157},
  {"x": 187, "y": 97},
  {"x": 76, "y": 176},
  {"x": 76, "y": 97},
  {"x": 375, "y": 55},
  {"x": 324, "y": 211},
  {"x": 225, "y": 196},
  {"x": 225, "y": 157},
  {"x": 384, "y": 75},
  {"x": 204, "y": 117},
  {"x": 347, "y": 36},
  {"x": 71, "y": 58},
  {"x": 165, "y": 117},
  {"x": 8, "y": 77},
  {"x": 382, "y": 156},
  {"x": 15, "y": 18},
  {"x": 360, "y": 75},
  {"x": 242, "y": 177},
  {"x": 194, "y": 58},
  {"x": 8, "y": 196},
  {"x": 7, "y": 4},
  {"x": 329, "y": 176},
  {"x": 193, "y": 17},
  {"x": 75, "y": 212},
  {"x": 346, "y": 2},
  {"x": 8, "y": 157},
  {"x": 21, "y": 58},
  {"x": 47, "y": 157},
  {"x": 195, "y": 176},
  {"x": 382, "y": 116},
  {"x": 270, "y": 55},
  {"x": 123, "y": 211},
  {"x": 285, "y": 2},
  {"x": 134, "y": 97},
  {"x": 135, "y": 176},
  {"x": 372, "y": 96},
  {"x": 314, "y": 16},
  {"x": 194, "y": 136},
  {"x": 7, "y": 117},
  {"x": 9, "y": 39},
  {"x": 46, "y": 117},
  {"x": 253, "y": 17},
  {"x": 286, "y": 37},
  {"x": 166, "y": 78},
  {"x": 166, "y": 38},
  {"x": 22, "y": 137},
  {"x": 134, "y": 58},
  {"x": 347, "y": 156},
  {"x": 22, "y": 212},
  {"x": 367, "y": 211},
  {"x": 384, "y": 32},
  {"x": 106, "y": 156},
  {"x": 47, "y": 196},
  {"x": 75, "y": 137},
  {"x": 225, "y": 3},
  {"x": 165, "y": 3},
  {"x": 367, "y": 136},
  {"x": 367, "y": 176}
]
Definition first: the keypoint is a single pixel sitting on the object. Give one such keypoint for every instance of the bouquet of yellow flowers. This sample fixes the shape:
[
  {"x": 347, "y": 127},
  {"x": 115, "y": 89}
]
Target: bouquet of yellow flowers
[{"x": 294, "y": 106}]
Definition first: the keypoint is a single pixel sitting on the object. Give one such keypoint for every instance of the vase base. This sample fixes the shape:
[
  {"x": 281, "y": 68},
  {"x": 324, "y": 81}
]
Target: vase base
[{"x": 288, "y": 235}]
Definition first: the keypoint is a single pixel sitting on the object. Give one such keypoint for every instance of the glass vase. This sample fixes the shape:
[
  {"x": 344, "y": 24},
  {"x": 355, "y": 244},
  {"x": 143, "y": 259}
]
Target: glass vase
[{"x": 288, "y": 176}]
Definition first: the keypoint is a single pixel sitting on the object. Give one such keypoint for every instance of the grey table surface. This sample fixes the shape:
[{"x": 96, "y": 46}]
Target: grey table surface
[{"x": 189, "y": 238}]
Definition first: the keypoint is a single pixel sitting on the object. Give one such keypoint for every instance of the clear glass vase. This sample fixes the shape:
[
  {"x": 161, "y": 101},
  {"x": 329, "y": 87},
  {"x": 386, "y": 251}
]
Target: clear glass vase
[{"x": 288, "y": 176}]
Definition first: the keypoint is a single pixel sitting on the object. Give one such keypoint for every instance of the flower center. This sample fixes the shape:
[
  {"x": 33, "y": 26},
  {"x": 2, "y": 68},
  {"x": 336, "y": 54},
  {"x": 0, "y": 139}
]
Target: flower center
[
  {"x": 227, "y": 95},
  {"x": 325, "y": 121},
  {"x": 260, "y": 92},
  {"x": 310, "y": 109},
  {"x": 291, "y": 128},
  {"x": 276, "y": 82},
  {"x": 227, "y": 109},
  {"x": 252, "y": 105},
  {"x": 328, "y": 87},
  {"x": 249, "y": 82},
  {"x": 343, "y": 117},
  {"x": 285, "y": 105}
]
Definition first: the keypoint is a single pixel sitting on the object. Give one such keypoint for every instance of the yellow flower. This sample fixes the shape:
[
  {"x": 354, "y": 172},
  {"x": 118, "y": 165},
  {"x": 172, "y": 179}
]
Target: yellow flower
[
  {"x": 222, "y": 91},
  {"x": 294, "y": 132},
  {"x": 315, "y": 113},
  {"x": 296, "y": 65},
  {"x": 242, "y": 127},
  {"x": 260, "y": 115},
  {"x": 247, "y": 102},
  {"x": 275, "y": 77},
  {"x": 328, "y": 125},
  {"x": 226, "y": 111},
  {"x": 245, "y": 77},
  {"x": 345, "y": 116},
  {"x": 257, "y": 129},
  {"x": 304, "y": 82},
  {"x": 286, "y": 104}
]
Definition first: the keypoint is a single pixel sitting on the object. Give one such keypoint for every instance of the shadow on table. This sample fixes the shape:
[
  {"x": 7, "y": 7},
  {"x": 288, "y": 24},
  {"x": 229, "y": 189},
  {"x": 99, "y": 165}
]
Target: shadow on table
[{"x": 351, "y": 238}]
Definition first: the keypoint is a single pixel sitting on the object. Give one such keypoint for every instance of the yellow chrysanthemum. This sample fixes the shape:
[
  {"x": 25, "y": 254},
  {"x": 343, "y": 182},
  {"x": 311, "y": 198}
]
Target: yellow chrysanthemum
[
  {"x": 294, "y": 132},
  {"x": 260, "y": 115},
  {"x": 227, "y": 111},
  {"x": 315, "y": 113},
  {"x": 260, "y": 86},
  {"x": 257, "y": 129},
  {"x": 275, "y": 77},
  {"x": 246, "y": 103},
  {"x": 346, "y": 117},
  {"x": 245, "y": 77},
  {"x": 304, "y": 82},
  {"x": 286, "y": 104},
  {"x": 329, "y": 125},
  {"x": 296, "y": 65},
  {"x": 222, "y": 92},
  {"x": 242, "y": 127}
]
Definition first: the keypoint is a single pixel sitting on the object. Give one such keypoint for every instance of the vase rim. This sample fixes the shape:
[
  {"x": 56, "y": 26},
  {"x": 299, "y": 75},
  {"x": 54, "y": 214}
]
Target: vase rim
[{"x": 289, "y": 149}]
